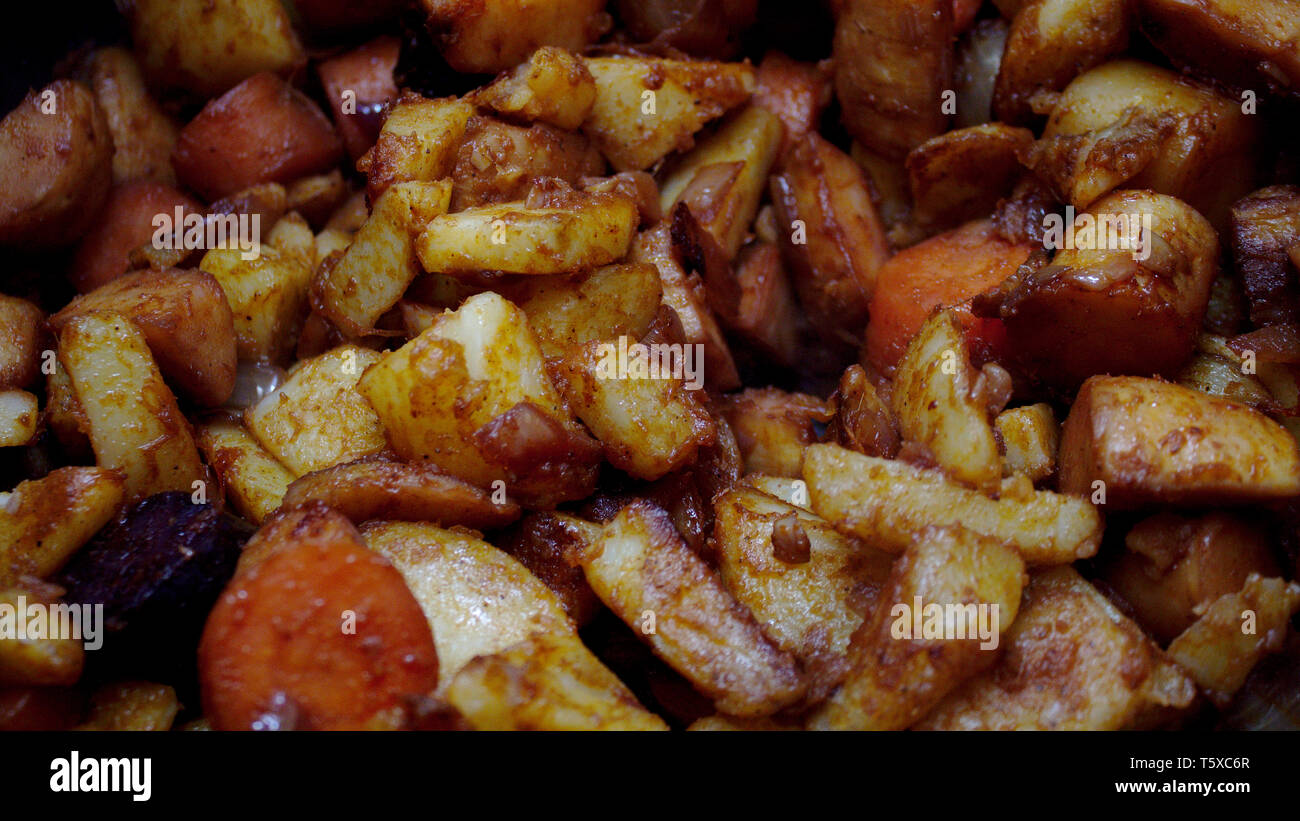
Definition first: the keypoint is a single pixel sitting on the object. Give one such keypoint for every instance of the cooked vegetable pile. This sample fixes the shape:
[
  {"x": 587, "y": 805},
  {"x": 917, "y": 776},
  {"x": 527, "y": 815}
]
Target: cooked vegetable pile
[{"x": 564, "y": 364}]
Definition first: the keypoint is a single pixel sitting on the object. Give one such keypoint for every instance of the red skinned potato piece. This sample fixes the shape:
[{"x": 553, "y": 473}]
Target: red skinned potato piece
[
  {"x": 275, "y": 652},
  {"x": 366, "y": 72},
  {"x": 186, "y": 322},
  {"x": 262, "y": 130},
  {"x": 126, "y": 223},
  {"x": 56, "y": 166},
  {"x": 944, "y": 271},
  {"x": 1111, "y": 309},
  {"x": 796, "y": 92}
]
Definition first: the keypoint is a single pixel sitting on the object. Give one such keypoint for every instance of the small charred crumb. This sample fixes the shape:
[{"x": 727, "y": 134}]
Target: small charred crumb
[{"x": 789, "y": 541}]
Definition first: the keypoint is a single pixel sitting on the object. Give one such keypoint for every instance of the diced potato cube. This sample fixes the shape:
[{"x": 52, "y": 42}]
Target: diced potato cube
[
  {"x": 317, "y": 418},
  {"x": 1029, "y": 436},
  {"x": 19, "y": 415},
  {"x": 418, "y": 142},
  {"x": 44, "y": 521},
  {"x": 267, "y": 295},
  {"x": 253, "y": 480},
  {"x": 553, "y": 87},
  {"x": 607, "y": 303},
  {"x": 646, "y": 107}
]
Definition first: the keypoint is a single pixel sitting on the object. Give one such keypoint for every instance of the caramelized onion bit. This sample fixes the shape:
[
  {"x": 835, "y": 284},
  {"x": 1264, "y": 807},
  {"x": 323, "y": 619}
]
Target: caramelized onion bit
[{"x": 789, "y": 541}]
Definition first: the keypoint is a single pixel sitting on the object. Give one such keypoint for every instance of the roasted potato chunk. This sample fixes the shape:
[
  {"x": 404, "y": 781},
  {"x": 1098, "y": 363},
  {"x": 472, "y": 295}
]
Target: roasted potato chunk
[
  {"x": 594, "y": 230},
  {"x": 56, "y": 163},
  {"x": 1176, "y": 565},
  {"x": 938, "y": 406},
  {"x": 937, "y": 622},
  {"x": 268, "y": 297},
  {"x": 773, "y": 427},
  {"x": 1265, "y": 226},
  {"x": 893, "y": 62},
  {"x": 1051, "y": 42},
  {"x": 495, "y": 35},
  {"x": 1028, "y": 437},
  {"x": 553, "y": 86},
  {"x": 499, "y": 162},
  {"x": 132, "y": 416},
  {"x": 19, "y": 417},
  {"x": 1234, "y": 632},
  {"x": 358, "y": 85},
  {"x": 546, "y": 682},
  {"x": 887, "y": 502},
  {"x": 647, "y": 107},
  {"x": 21, "y": 340},
  {"x": 810, "y": 608},
  {"x": 143, "y": 135},
  {"x": 208, "y": 46},
  {"x": 643, "y": 571},
  {"x": 184, "y": 317},
  {"x": 960, "y": 175},
  {"x": 470, "y": 395},
  {"x": 50, "y": 660},
  {"x": 376, "y": 487},
  {"x": 1071, "y": 661},
  {"x": 253, "y": 480},
  {"x": 417, "y": 143},
  {"x": 1148, "y": 441},
  {"x": 1128, "y": 290},
  {"x": 613, "y": 301},
  {"x": 318, "y": 418},
  {"x": 379, "y": 264},
  {"x": 45, "y": 521},
  {"x": 723, "y": 178}
]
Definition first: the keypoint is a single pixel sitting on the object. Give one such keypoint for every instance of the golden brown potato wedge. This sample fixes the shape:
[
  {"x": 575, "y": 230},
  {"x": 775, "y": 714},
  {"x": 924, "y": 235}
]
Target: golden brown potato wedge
[
  {"x": 647, "y": 107},
  {"x": 379, "y": 264},
  {"x": 132, "y": 417},
  {"x": 1051, "y": 42},
  {"x": 1149, "y": 441},
  {"x": 1234, "y": 632},
  {"x": 548, "y": 681},
  {"x": 495, "y": 35},
  {"x": 1133, "y": 124},
  {"x": 724, "y": 177},
  {"x": 1071, "y": 661},
  {"x": 268, "y": 297},
  {"x": 44, "y": 521},
  {"x": 56, "y": 163},
  {"x": 143, "y": 135},
  {"x": 893, "y": 63},
  {"x": 594, "y": 230},
  {"x": 937, "y": 622},
  {"x": 553, "y": 86},
  {"x": 318, "y": 418},
  {"x": 252, "y": 479},
  {"x": 208, "y": 46},
  {"x": 887, "y": 502},
  {"x": 185, "y": 319},
  {"x": 939, "y": 407},
  {"x": 376, "y": 487},
  {"x": 643, "y": 571},
  {"x": 810, "y": 605}
]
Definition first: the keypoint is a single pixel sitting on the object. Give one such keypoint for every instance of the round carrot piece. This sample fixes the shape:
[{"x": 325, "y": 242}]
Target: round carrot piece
[{"x": 320, "y": 634}]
